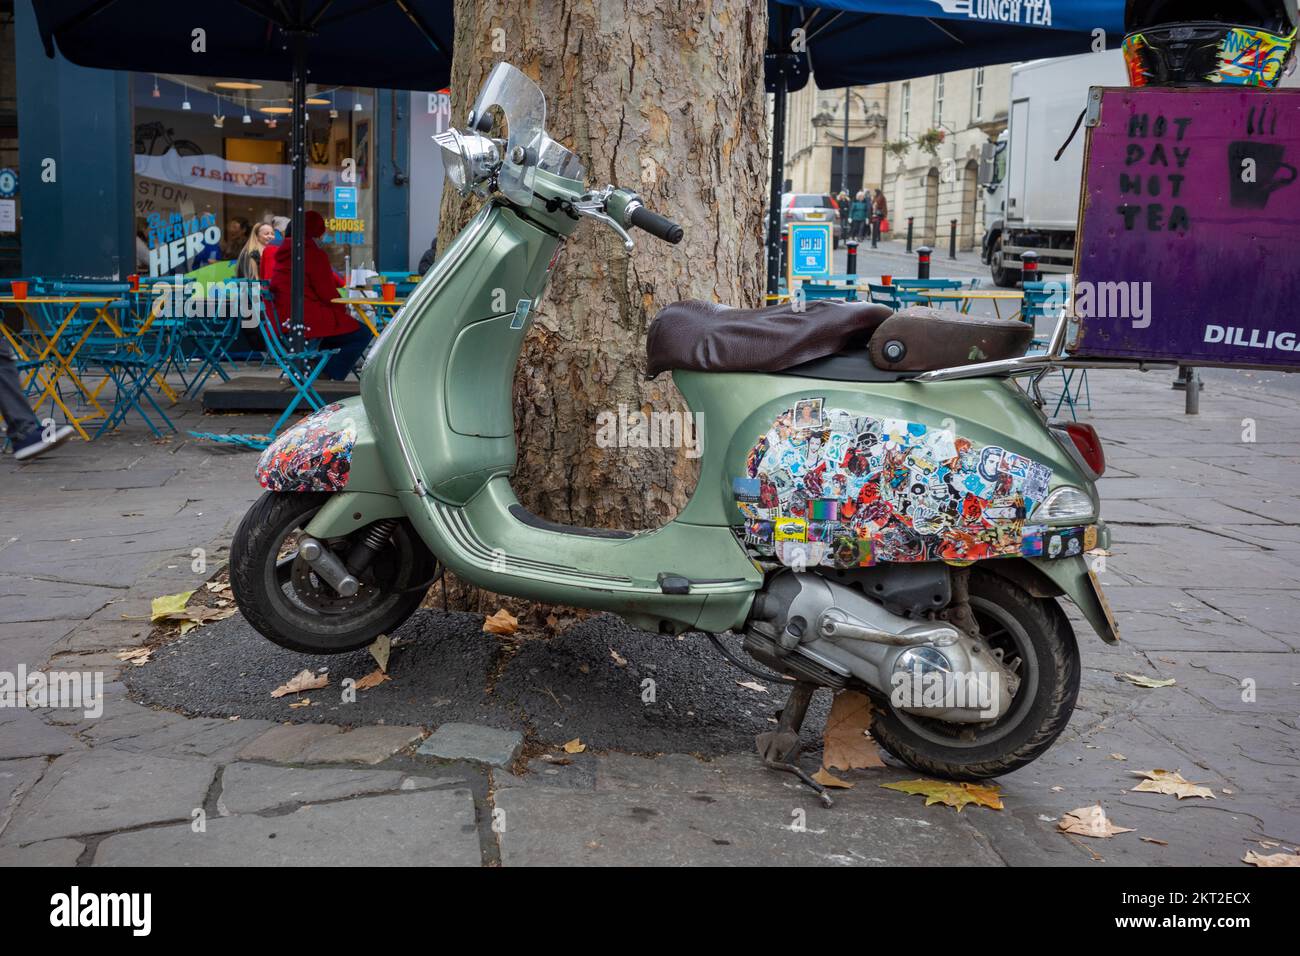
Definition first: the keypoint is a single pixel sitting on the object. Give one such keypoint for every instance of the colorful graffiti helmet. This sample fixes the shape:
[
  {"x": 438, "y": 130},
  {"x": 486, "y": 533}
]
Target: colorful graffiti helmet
[{"x": 1202, "y": 42}]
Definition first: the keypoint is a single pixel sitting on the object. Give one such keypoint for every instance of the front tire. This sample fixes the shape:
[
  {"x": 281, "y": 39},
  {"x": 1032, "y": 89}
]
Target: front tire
[
  {"x": 285, "y": 601},
  {"x": 1033, "y": 629},
  {"x": 1002, "y": 276}
]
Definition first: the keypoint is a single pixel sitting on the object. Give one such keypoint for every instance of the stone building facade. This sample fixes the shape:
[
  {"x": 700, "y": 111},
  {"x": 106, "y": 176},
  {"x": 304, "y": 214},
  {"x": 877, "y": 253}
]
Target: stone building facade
[
  {"x": 967, "y": 108},
  {"x": 815, "y": 138}
]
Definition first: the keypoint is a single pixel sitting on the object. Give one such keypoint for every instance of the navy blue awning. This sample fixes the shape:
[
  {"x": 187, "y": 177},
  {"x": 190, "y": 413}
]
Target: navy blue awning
[
  {"x": 383, "y": 43},
  {"x": 856, "y": 42}
]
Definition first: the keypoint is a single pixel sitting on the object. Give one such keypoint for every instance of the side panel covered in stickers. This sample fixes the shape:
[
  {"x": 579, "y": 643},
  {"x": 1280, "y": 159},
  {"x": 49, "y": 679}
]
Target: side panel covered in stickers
[{"x": 830, "y": 486}]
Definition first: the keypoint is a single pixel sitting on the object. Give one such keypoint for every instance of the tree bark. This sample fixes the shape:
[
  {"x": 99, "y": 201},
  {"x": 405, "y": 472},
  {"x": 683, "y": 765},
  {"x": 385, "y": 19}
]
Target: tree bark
[{"x": 665, "y": 99}]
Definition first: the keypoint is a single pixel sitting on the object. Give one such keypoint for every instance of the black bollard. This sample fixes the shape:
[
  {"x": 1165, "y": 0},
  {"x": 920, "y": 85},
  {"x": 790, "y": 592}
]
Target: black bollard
[
  {"x": 909, "y": 233},
  {"x": 952, "y": 238},
  {"x": 923, "y": 262},
  {"x": 1029, "y": 266},
  {"x": 851, "y": 266}
]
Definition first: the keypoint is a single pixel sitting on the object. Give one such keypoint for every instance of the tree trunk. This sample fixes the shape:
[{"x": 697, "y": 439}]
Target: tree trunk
[{"x": 665, "y": 99}]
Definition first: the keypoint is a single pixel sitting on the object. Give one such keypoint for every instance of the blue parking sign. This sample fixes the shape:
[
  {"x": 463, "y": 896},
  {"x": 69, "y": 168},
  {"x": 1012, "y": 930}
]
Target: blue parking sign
[{"x": 810, "y": 250}]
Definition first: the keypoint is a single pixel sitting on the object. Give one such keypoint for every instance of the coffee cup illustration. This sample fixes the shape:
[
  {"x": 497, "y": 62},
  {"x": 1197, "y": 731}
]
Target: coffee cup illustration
[{"x": 1255, "y": 172}]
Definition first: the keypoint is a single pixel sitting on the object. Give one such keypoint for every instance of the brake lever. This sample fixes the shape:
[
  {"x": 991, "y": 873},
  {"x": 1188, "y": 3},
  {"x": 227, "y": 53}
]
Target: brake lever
[{"x": 592, "y": 205}]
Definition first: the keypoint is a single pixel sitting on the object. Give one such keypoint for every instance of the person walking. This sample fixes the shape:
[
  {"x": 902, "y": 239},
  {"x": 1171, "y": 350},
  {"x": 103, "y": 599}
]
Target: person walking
[
  {"x": 21, "y": 425},
  {"x": 842, "y": 204},
  {"x": 858, "y": 213},
  {"x": 879, "y": 216}
]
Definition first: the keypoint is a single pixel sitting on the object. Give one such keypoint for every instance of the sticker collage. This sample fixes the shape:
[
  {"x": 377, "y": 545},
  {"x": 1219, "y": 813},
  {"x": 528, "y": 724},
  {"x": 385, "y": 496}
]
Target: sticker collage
[
  {"x": 827, "y": 486},
  {"x": 311, "y": 456}
]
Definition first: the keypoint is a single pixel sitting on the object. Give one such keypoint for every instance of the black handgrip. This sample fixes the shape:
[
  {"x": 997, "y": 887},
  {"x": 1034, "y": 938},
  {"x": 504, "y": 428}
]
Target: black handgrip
[{"x": 656, "y": 225}]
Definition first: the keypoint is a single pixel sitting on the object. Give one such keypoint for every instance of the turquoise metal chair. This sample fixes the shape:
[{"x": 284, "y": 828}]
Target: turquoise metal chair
[
  {"x": 933, "y": 285},
  {"x": 892, "y": 296},
  {"x": 300, "y": 362},
  {"x": 1047, "y": 300}
]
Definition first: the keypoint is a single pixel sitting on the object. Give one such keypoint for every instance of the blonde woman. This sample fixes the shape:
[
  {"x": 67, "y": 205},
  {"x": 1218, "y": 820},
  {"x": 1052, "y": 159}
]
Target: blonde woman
[{"x": 249, "y": 265}]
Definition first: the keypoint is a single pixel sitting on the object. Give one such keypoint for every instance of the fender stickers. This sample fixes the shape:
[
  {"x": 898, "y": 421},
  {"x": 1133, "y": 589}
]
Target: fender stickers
[
  {"x": 827, "y": 486},
  {"x": 311, "y": 456}
]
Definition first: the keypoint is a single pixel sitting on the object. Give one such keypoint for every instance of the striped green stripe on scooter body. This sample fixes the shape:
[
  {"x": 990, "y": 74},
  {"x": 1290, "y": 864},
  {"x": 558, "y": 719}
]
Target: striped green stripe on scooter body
[{"x": 438, "y": 409}]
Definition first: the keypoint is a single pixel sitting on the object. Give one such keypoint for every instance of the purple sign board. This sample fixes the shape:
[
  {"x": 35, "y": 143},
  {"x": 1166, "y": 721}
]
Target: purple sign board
[{"x": 1189, "y": 228}]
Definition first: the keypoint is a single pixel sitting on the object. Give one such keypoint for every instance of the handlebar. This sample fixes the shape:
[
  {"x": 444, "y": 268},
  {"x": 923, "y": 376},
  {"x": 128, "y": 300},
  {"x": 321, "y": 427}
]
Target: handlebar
[{"x": 655, "y": 224}]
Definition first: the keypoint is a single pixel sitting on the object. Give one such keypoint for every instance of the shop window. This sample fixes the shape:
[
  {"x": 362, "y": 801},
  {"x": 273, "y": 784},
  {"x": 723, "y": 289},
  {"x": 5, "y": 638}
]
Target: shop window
[{"x": 213, "y": 161}]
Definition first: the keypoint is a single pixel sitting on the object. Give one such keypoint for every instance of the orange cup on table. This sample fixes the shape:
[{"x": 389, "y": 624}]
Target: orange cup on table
[
  {"x": 388, "y": 291},
  {"x": 886, "y": 280},
  {"x": 18, "y": 289}
]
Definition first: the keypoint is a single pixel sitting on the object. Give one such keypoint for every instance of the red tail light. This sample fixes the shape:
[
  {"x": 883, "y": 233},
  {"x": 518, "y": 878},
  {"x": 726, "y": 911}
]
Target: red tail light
[{"x": 1088, "y": 443}]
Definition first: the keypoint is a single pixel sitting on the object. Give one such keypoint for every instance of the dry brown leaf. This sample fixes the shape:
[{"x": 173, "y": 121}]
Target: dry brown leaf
[
  {"x": 502, "y": 622},
  {"x": 305, "y": 702},
  {"x": 619, "y": 659},
  {"x": 828, "y": 779},
  {"x": 1271, "y": 859},
  {"x": 303, "y": 680},
  {"x": 847, "y": 746},
  {"x": 139, "y": 656},
  {"x": 575, "y": 746},
  {"x": 1171, "y": 782},
  {"x": 752, "y": 685},
  {"x": 218, "y": 586},
  {"x": 951, "y": 794},
  {"x": 1118, "y": 757},
  {"x": 373, "y": 679},
  {"x": 1090, "y": 822},
  {"x": 1141, "y": 680},
  {"x": 380, "y": 650},
  {"x": 1154, "y": 840}
]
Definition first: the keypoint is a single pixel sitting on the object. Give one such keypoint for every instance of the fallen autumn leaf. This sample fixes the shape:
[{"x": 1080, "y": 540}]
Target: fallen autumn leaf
[
  {"x": 303, "y": 680},
  {"x": 951, "y": 794},
  {"x": 1090, "y": 822}
]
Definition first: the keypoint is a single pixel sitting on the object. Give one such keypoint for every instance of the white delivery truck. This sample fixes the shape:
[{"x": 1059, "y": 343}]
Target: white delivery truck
[{"x": 1032, "y": 199}]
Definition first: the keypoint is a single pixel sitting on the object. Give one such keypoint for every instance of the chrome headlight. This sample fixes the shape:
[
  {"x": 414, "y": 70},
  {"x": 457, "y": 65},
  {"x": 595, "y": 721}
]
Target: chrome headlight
[
  {"x": 1066, "y": 503},
  {"x": 470, "y": 159}
]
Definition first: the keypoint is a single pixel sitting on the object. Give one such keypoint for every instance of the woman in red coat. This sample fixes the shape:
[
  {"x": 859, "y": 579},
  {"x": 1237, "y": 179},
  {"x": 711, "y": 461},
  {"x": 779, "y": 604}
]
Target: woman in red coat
[{"x": 327, "y": 323}]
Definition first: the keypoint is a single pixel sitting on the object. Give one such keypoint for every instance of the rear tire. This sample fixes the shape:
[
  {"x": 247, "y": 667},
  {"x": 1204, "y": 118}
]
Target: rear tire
[
  {"x": 285, "y": 602},
  {"x": 1031, "y": 725}
]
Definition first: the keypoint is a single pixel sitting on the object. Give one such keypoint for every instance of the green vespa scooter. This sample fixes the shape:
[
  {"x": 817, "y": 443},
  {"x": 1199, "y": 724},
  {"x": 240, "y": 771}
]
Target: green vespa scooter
[{"x": 871, "y": 512}]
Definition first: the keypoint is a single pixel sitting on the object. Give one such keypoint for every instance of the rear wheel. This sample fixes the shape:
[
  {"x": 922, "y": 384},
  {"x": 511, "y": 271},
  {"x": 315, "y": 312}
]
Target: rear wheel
[
  {"x": 284, "y": 599},
  {"x": 1034, "y": 639}
]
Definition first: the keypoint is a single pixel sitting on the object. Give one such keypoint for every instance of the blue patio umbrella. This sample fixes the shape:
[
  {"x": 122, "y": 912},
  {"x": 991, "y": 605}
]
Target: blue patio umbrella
[
  {"x": 841, "y": 43},
  {"x": 392, "y": 44},
  {"x": 407, "y": 44}
]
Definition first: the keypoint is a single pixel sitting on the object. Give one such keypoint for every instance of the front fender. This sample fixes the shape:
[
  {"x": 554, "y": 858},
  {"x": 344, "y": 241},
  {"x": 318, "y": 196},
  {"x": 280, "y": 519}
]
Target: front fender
[{"x": 330, "y": 450}]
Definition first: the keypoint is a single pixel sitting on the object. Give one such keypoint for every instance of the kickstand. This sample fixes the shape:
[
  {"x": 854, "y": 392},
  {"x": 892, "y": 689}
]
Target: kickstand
[{"x": 779, "y": 747}]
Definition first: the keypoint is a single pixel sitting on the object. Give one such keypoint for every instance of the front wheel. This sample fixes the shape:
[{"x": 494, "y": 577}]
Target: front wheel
[
  {"x": 286, "y": 602},
  {"x": 1034, "y": 639},
  {"x": 1003, "y": 275}
]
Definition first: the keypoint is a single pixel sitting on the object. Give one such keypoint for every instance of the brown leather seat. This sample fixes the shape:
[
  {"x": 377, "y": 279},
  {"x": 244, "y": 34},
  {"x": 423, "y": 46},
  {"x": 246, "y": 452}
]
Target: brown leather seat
[
  {"x": 707, "y": 337},
  {"x": 919, "y": 339}
]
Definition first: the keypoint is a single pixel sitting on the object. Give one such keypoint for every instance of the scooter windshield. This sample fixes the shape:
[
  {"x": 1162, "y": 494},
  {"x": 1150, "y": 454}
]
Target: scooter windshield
[{"x": 523, "y": 106}]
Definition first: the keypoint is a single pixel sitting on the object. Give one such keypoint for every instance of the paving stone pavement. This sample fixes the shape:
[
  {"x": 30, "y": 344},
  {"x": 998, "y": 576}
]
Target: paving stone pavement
[{"x": 1204, "y": 576}]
